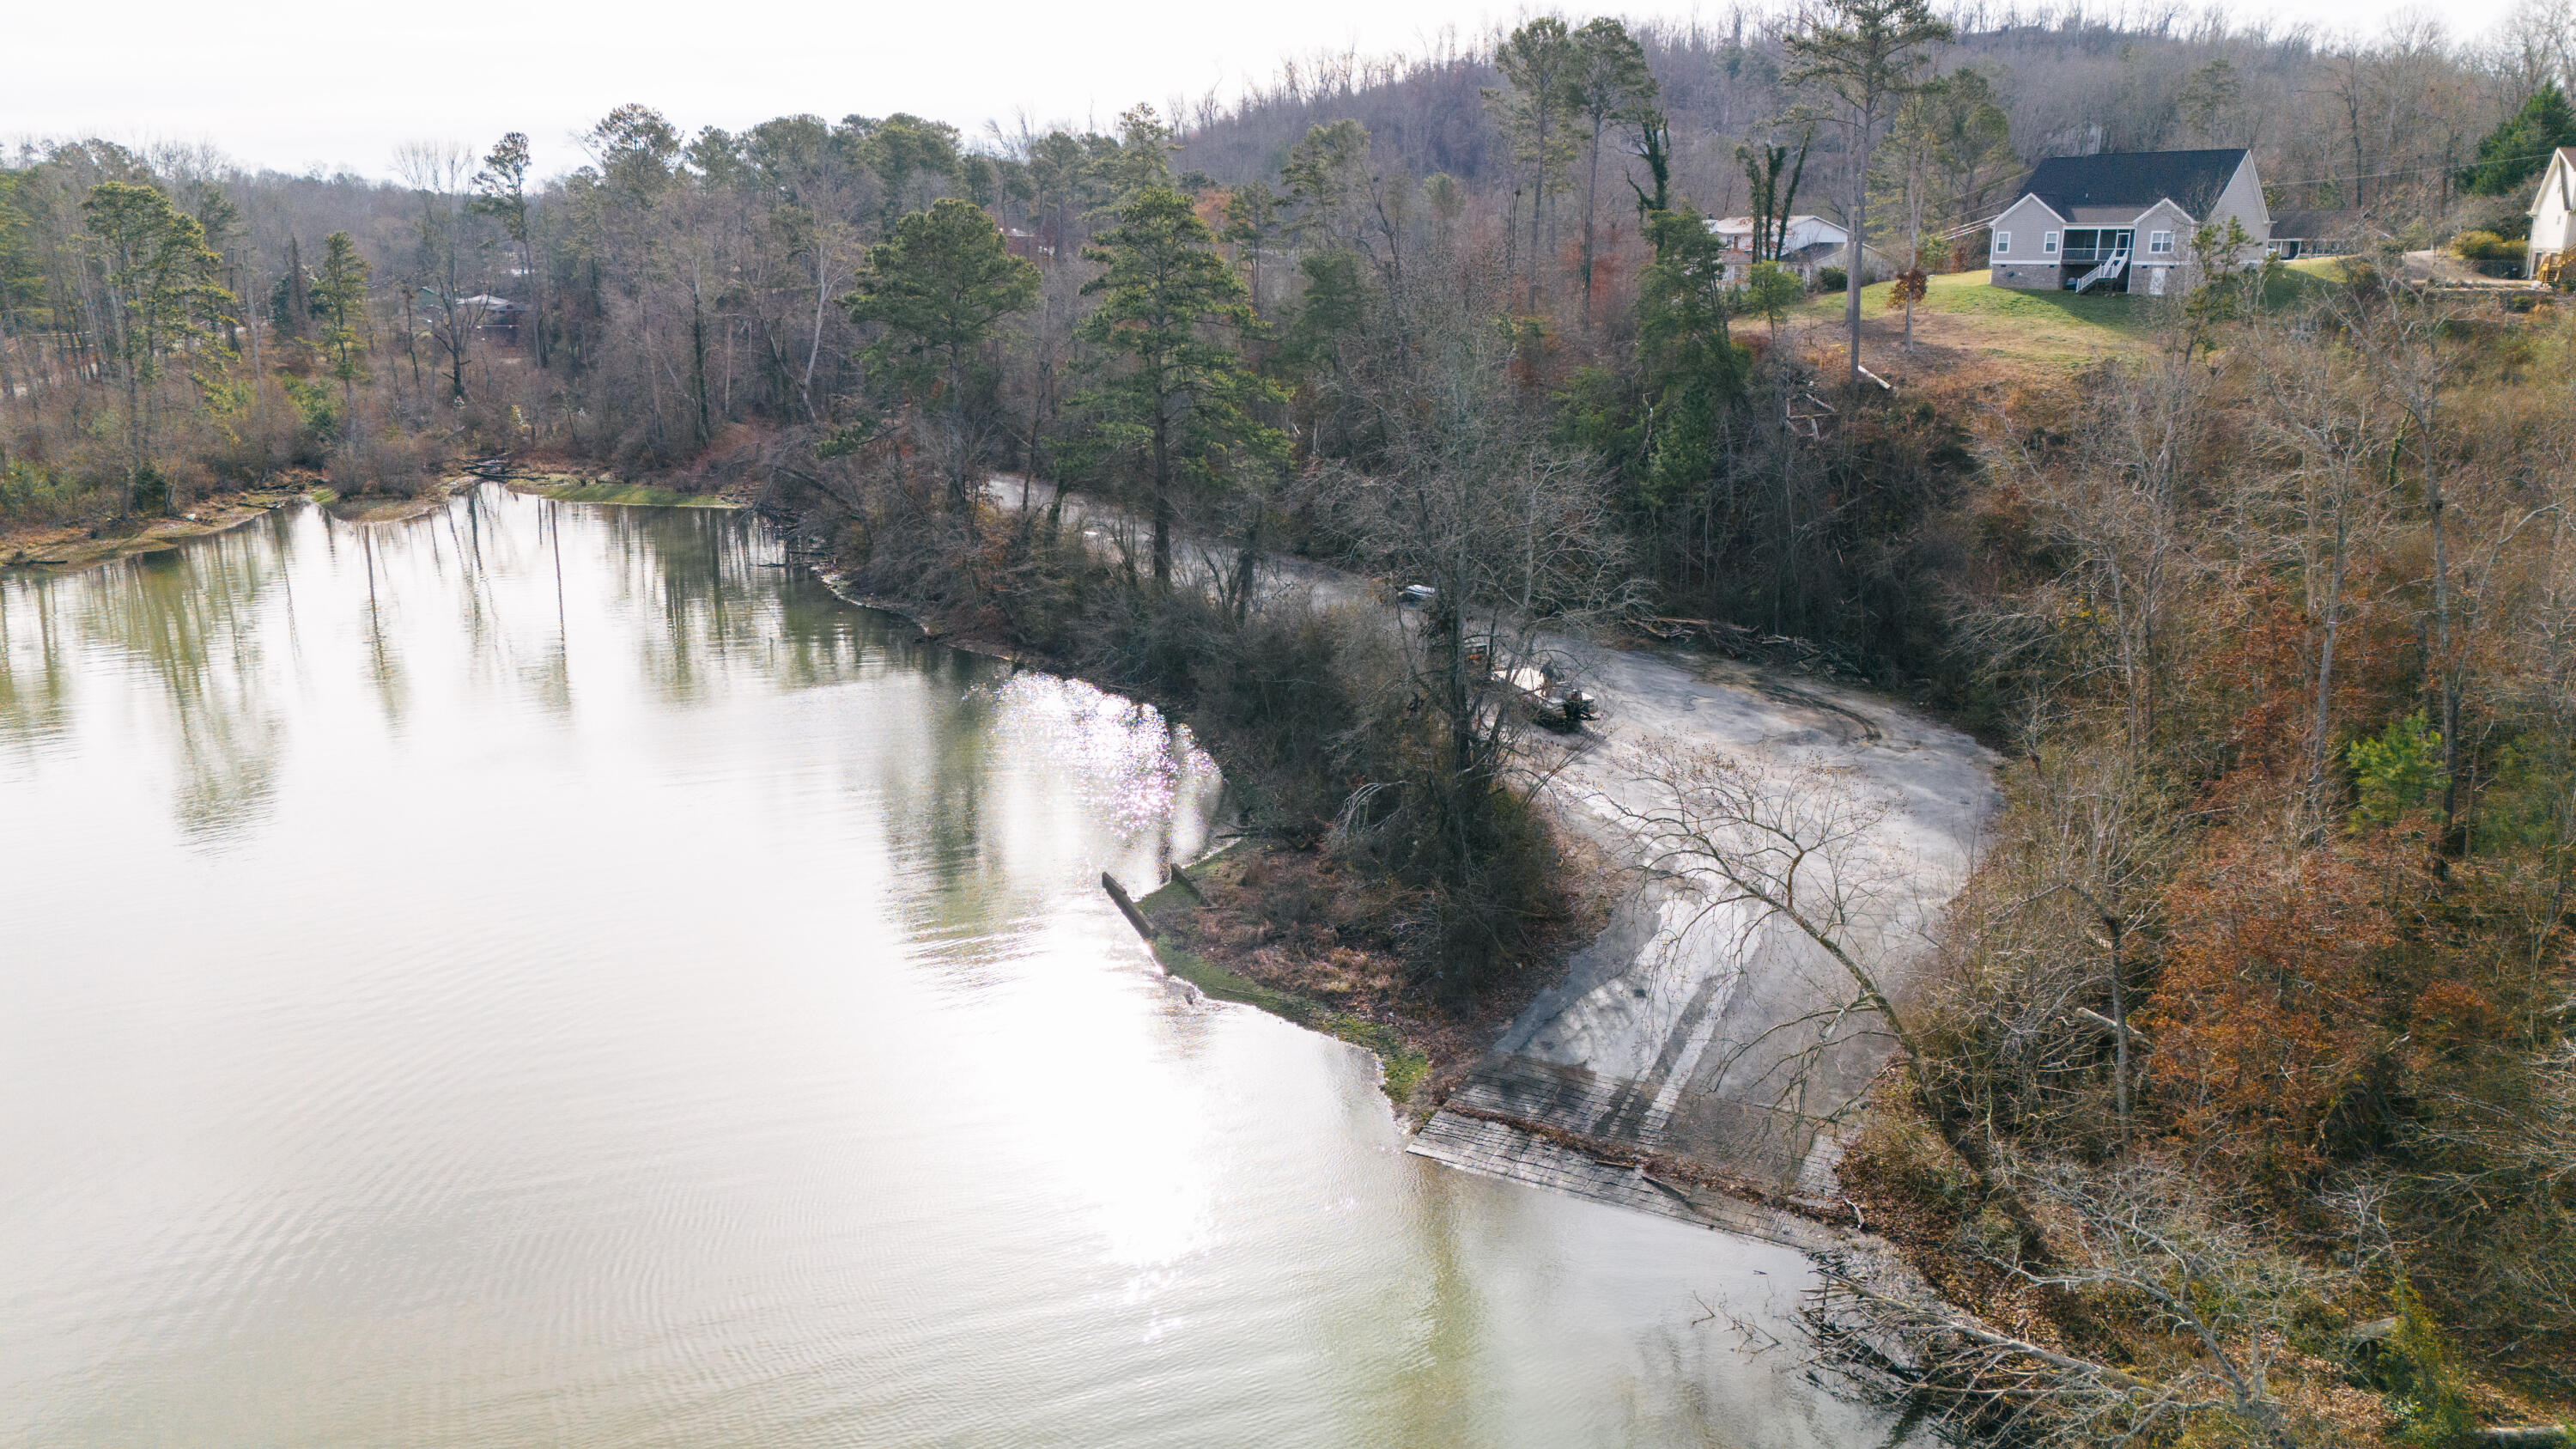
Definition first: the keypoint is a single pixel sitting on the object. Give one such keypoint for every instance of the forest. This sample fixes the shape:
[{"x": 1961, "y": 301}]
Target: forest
[{"x": 2241, "y": 1104}]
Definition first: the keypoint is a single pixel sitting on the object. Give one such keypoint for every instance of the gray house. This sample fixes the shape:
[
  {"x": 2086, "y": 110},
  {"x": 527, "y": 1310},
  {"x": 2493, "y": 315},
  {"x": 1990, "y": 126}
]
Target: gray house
[
  {"x": 2328, "y": 233},
  {"x": 2123, "y": 221}
]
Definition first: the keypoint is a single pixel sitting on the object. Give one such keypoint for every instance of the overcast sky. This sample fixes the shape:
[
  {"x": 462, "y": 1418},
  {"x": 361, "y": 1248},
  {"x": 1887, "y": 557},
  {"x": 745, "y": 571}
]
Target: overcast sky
[{"x": 299, "y": 83}]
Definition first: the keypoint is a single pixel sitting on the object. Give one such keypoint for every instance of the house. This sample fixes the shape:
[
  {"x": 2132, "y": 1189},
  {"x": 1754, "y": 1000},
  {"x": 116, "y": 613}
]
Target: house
[
  {"x": 2551, "y": 253},
  {"x": 2333, "y": 233},
  {"x": 495, "y": 317},
  {"x": 2123, "y": 221},
  {"x": 1806, "y": 244}
]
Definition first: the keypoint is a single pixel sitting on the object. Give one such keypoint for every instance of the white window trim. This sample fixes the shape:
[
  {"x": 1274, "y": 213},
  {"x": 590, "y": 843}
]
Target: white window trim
[
  {"x": 2160, "y": 243},
  {"x": 2048, "y": 243},
  {"x": 2003, "y": 242}
]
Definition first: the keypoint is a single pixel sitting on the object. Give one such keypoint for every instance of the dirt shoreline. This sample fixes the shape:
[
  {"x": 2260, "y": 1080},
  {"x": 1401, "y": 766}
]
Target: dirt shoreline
[{"x": 69, "y": 549}]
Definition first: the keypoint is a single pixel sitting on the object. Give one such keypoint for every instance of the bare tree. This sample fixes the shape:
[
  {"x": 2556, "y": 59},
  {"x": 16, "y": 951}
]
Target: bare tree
[
  {"x": 2143, "y": 1237},
  {"x": 438, "y": 173},
  {"x": 2338, "y": 453},
  {"x": 1801, "y": 844},
  {"x": 1512, "y": 531}
]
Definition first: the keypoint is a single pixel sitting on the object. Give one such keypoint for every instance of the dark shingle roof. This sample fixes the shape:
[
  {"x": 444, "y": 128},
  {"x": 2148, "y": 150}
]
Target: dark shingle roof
[
  {"x": 2332, "y": 225},
  {"x": 2134, "y": 178}
]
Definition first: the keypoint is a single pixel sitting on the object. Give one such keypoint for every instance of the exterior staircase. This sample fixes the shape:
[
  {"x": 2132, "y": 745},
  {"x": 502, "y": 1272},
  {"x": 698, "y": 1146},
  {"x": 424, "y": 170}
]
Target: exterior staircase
[{"x": 2108, "y": 271}]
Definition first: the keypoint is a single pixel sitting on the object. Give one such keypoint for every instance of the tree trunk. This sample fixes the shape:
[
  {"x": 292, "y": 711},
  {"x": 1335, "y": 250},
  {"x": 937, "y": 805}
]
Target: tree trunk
[
  {"x": 1538, "y": 206},
  {"x": 959, "y": 502},
  {"x": 1853, "y": 253},
  {"x": 1591, "y": 203},
  {"x": 2317, "y": 740},
  {"x": 2442, "y": 642},
  {"x": 2119, "y": 1032},
  {"x": 814, "y": 345},
  {"x": 1162, "y": 498},
  {"x": 698, "y": 358}
]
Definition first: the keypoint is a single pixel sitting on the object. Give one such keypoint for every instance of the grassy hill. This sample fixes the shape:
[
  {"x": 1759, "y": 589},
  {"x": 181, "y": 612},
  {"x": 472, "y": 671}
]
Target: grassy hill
[{"x": 1964, "y": 313}]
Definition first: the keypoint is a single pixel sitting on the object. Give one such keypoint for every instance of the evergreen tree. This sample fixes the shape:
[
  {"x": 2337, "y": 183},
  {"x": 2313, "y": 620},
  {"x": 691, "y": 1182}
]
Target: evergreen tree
[
  {"x": 1251, "y": 221},
  {"x": 1327, "y": 176},
  {"x": 501, "y": 192},
  {"x": 1056, "y": 166},
  {"x": 338, "y": 298},
  {"x": 2513, "y": 153},
  {"x": 1138, "y": 158},
  {"x": 1539, "y": 61},
  {"x": 1866, "y": 54},
  {"x": 1612, "y": 85},
  {"x": 1692, "y": 370},
  {"x": 940, "y": 286},
  {"x": 158, "y": 277},
  {"x": 910, "y": 154},
  {"x": 1179, "y": 405}
]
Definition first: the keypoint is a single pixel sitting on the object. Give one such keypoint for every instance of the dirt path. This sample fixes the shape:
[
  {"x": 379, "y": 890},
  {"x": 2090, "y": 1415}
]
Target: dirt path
[{"x": 1692, "y": 1038}]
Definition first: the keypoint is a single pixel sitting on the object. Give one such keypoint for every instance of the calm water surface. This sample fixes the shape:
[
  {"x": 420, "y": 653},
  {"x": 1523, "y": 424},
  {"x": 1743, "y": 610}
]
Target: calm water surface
[{"x": 543, "y": 975}]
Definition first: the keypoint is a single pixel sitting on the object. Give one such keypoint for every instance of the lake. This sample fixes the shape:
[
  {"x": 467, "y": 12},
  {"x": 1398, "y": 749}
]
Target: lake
[{"x": 541, "y": 974}]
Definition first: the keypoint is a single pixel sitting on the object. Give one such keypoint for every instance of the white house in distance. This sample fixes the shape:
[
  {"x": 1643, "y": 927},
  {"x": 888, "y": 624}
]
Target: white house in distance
[
  {"x": 2552, "y": 252},
  {"x": 2123, "y": 221},
  {"x": 1809, "y": 242}
]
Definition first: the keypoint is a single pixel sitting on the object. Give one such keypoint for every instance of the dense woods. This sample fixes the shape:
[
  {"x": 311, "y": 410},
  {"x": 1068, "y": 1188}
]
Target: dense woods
[{"x": 2253, "y": 1029}]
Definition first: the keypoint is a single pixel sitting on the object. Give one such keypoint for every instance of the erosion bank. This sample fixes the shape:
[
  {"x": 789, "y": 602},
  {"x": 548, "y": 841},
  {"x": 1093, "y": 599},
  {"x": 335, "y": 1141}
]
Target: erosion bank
[
  {"x": 1283, "y": 927},
  {"x": 68, "y": 547},
  {"x": 63, "y": 548}
]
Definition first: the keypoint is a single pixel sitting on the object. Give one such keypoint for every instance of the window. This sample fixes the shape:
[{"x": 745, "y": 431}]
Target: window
[
  {"x": 2048, "y": 243},
  {"x": 2160, "y": 243},
  {"x": 2003, "y": 242}
]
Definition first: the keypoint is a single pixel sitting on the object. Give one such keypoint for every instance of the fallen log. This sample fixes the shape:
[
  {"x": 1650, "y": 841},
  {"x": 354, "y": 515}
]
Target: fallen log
[{"x": 1126, "y": 907}]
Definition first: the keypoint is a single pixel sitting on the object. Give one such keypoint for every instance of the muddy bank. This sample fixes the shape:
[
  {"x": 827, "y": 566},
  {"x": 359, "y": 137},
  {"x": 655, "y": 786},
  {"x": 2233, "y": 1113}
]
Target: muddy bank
[
  {"x": 1297, "y": 934},
  {"x": 70, "y": 548},
  {"x": 609, "y": 488},
  {"x": 66, "y": 549}
]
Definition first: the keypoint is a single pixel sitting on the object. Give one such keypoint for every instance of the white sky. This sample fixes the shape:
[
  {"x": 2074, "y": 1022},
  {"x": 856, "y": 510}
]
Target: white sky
[{"x": 296, "y": 83}]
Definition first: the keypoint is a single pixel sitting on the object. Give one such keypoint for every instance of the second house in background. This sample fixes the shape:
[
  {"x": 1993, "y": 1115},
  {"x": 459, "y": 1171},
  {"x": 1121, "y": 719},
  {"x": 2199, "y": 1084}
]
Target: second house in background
[{"x": 1802, "y": 244}]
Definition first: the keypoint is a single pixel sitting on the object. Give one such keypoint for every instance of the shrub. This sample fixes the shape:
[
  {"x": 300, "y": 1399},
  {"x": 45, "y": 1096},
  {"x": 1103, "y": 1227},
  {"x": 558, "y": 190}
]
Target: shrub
[
  {"x": 2484, "y": 246},
  {"x": 1832, "y": 279}
]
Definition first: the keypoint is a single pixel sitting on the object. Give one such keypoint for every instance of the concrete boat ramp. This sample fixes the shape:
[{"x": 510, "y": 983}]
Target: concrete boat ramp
[{"x": 1699, "y": 1037}]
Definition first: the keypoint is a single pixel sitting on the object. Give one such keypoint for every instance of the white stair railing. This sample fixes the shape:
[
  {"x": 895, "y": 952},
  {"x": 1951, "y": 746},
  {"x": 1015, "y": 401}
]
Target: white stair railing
[{"x": 2110, "y": 269}]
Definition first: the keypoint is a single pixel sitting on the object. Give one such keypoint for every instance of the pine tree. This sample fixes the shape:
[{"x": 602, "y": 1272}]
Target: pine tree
[
  {"x": 940, "y": 286},
  {"x": 1539, "y": 61},
  {"x": 1139, "y": 158},
  {"x": 2514, "y": 152},
  {"x": 501, "y": 192},
  {"x": 1179, "y": 405},
  {"x": 1612, "y": 85},
  {"x": 1693, "y": 372},
  {"x": 1866, "y": 54},
  {"x": 1251, "y": 221},
  {"x": 339, "y": 300},
  {"x": 161, "y": 295}
]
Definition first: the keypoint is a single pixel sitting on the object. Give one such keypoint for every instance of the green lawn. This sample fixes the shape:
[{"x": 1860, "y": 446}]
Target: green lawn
[
  {"x": 1965, "y": 310},
  {"x": 633, "y": 494},
  {"x": 1962, "y": 309},
  {"x": 2296, "y": 280}
]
